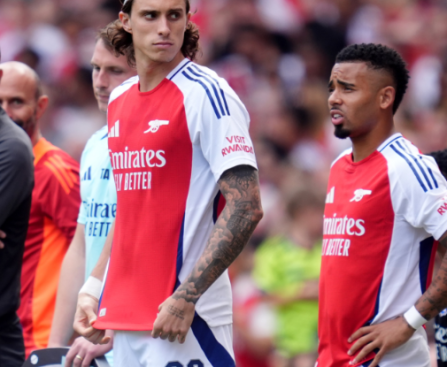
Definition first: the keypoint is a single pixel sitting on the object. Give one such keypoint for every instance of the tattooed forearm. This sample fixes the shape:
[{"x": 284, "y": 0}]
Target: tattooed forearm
[
  {"x": 434, "y": 300},
  {"x": 233, "y": 229}
]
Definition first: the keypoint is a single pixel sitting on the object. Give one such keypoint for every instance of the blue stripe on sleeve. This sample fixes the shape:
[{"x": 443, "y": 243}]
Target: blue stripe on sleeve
[
  {"x": 216, "y": 93},
  {"x": 408, "y": 149},
  {"x": 414, "y": 155},
  {"x": 417, "y": 163},
  {"x": 217, "y": 82},
  {"x": 225, "y": 101},
  {"x": 210, "y": 97},
  {"x": 392, "y": 141},
  {"x": 179, "y": 70},
  {"x": 411, "y": 166},
  {"x": 430, "y": 171}
]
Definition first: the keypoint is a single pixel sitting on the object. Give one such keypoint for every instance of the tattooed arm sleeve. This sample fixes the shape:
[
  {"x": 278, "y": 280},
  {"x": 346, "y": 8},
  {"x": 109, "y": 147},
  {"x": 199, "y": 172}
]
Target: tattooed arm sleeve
[
  {"x": 434, "y": 300},
  {"x": 234, "y": 227}
]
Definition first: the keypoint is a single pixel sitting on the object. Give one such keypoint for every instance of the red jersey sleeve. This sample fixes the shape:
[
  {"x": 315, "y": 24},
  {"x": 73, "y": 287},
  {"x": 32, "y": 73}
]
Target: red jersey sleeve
[{"x": 60, "y": 190}]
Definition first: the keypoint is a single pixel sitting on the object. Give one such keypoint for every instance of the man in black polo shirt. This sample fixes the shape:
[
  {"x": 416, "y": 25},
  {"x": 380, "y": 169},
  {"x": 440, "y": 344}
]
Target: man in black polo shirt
[{"x": 16, "y": 184}]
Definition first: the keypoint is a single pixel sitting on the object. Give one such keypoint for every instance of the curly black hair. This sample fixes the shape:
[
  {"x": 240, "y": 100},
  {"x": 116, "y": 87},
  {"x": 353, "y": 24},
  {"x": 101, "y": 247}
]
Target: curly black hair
[
  {"x": 380, "y": 57},
  {"x": 441, "y": 160}
]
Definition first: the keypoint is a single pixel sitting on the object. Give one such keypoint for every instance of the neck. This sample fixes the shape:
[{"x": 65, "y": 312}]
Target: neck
[
  {"x": 366, "y": 144},
  {"x": 152, "y": 73},
  {"x": 37, "y": 135}
]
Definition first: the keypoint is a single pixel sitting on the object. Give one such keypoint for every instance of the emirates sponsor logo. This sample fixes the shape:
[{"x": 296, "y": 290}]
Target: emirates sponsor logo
[
  {"x": 137, "y": 159},
  {"x": 344, "y": 226}
]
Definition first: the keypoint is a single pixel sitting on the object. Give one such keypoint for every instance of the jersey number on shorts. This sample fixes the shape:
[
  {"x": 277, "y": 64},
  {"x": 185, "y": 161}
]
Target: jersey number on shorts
[{"x": 192, "y": 363}]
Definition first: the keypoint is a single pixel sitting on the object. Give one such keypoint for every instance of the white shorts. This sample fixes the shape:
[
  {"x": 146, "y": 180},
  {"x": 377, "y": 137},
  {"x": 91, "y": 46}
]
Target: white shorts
[{"x": 204, "y": 347}]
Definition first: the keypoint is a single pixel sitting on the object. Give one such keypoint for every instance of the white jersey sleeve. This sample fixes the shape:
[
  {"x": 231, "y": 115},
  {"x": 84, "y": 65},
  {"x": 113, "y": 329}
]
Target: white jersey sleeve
[
  {"x": 419, "y": 190},
  {"x": 222, "y": 128}
]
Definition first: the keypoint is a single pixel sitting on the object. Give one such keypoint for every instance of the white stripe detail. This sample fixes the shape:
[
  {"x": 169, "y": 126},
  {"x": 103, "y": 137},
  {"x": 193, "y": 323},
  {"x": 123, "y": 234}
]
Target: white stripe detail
[{"x": 115, "y": 130}]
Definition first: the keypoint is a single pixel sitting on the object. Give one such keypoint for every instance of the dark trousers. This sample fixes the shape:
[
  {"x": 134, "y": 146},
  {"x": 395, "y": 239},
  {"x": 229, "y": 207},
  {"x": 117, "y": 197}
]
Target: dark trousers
[{"x": 12, "y": 348}]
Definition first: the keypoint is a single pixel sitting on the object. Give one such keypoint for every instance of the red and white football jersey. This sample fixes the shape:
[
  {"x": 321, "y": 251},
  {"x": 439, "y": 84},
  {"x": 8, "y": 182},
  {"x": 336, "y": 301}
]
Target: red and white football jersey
[
  {"x": 168, "y": 149},
  {"x": 382, "y": 217}
]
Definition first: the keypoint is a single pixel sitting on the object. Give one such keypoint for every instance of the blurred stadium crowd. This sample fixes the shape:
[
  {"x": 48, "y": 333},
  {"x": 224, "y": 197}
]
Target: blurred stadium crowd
[{"x": 277, "y": 55}]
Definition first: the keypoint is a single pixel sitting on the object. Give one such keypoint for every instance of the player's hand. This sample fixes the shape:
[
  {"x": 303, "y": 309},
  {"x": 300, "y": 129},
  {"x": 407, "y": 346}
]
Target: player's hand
[
  {"x": 174, "y": 319},
  {"x": 385, "y": 336},
  {"x": 84, "y": 318},
  {"x": 82, "y": 352},
  {"x": 2, "y": 236}
]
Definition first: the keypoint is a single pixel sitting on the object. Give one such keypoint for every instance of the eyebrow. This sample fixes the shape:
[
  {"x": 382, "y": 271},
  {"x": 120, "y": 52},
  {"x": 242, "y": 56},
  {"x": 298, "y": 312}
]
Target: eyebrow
[
  {"x": 148, "y": 10},
  {"x": 344, "y": 84}
]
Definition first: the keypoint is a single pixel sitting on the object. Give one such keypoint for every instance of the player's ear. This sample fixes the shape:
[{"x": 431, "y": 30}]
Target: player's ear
[
  {"x": 42, "y": 104},
  {"x": 125, "y": 21},
  {"x": 387, "y": 97},
  {"x": 188, "y": 20}
]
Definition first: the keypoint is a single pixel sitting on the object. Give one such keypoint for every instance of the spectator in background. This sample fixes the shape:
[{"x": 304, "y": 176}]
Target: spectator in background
[
  {"x": 97, "y": 190},
  {"x": 254, "y": 320},
  {"x": 16, "y": 185},
  {"x": 287, "y": 268},
  {"x": 55, "y": 204}
]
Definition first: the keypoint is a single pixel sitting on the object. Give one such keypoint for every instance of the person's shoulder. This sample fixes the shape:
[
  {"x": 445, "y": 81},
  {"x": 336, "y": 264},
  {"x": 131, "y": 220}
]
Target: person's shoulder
[
  {"x": 192, "y": 77},
  {"x": 400, "y": 153},
  {"x": 98, "y": 136},
  {"x": 45, "y": 151},
  {"x": 123, "y": 88},
  {"x": 14, "y": 142},
  {"x": 203, "y": 87},
  {"x": 56, "y": 165},
  {"x": 11, "y": 133},
  {"x": 407, "y": 164},
  {"x": 94, "y": 146}
]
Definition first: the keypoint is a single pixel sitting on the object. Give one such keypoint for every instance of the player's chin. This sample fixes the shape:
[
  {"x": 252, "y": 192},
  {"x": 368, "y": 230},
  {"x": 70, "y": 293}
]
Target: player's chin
[
  {"x": 102, "y": 106},
  {"x": 341, "y": 132},
  {"x": 163, "y": 56}
]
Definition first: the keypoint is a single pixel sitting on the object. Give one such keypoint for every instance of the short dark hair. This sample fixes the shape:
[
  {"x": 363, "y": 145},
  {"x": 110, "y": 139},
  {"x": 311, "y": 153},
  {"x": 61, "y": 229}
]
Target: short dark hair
[
  {"x": 380, "y": 57},
  {"x": 441, "y": 160},
  {"x": 122, "y": 42}
]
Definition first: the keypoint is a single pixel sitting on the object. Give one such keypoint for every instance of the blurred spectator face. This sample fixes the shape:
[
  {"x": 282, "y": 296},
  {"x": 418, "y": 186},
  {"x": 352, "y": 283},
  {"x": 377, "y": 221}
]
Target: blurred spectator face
[
  {"x": 109, "y": 72},
  {"x": 19, "y": 96},
  {"x": 157, "y": 27},
  {"x": 355, "y": 98},
  {"x": 306, "y": 210}
]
